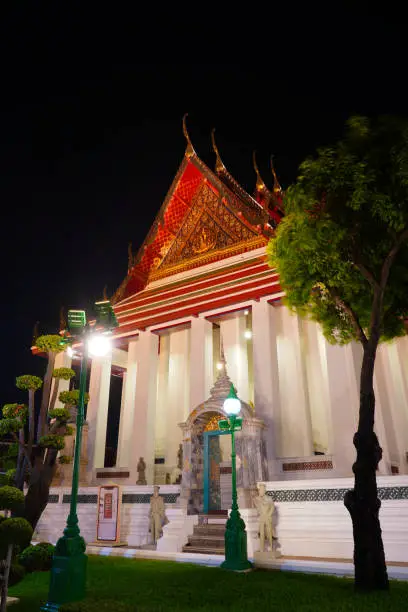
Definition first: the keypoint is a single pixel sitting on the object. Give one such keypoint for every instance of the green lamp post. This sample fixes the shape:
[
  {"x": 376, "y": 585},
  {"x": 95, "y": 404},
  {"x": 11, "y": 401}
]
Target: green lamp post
[
  {"x": 236, "y": 558},
  {"x": 68, "y": 573}
]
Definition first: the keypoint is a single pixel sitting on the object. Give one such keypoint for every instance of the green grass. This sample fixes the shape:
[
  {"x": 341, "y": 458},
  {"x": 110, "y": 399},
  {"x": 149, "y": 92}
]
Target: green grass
[{"x": 127, "y": 585}]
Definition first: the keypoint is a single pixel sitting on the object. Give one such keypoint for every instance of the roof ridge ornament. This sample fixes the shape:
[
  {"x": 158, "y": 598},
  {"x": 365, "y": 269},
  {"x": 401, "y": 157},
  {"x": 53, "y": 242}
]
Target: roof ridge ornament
[
  {"x": 189, "y": 152},
  {"x": 260, "y": 183},
  {"x": 219, "y": 166},
  {"x": 276, "y": 186}
]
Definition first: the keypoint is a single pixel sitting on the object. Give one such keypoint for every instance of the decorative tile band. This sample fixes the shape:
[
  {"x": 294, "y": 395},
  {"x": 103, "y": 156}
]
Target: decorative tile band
[
  {"x": 112, "y": 475},
  {"x": 82, "y": 499},
  {"x": 144, "y": 498},
  {"x": 311, "y": 495},
  {"x": 307, "y": 466},
  {"x": 53, "y": 499}
]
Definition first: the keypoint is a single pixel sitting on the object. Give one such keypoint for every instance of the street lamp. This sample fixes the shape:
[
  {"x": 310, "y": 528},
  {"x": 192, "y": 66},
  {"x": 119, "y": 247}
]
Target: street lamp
[
  {"x": 236, "y": 558},
  {"x": 68, "y": 573}
]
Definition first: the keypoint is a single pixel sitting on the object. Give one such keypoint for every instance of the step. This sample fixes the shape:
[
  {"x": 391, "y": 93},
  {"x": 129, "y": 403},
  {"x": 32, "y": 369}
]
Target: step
[
  {"x": 209, "y": 529},
  {"x": 206, "y": 542},
  {"x": 204, "y": 551}
]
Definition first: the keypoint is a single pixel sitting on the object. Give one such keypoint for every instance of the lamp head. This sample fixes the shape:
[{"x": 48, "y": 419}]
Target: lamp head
[
  {"x": 232, "y": 405},
  {"x": 105, "y": 315},
  {"x": 76, "y": 321},
  {"x": 99, "y": 345}
]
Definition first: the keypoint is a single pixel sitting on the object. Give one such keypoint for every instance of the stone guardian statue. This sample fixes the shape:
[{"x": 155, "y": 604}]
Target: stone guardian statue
[
  {"x": 265, "y": 508},
  {"x": 141, "y": 472},
  {"x": 157, "y": 515}
]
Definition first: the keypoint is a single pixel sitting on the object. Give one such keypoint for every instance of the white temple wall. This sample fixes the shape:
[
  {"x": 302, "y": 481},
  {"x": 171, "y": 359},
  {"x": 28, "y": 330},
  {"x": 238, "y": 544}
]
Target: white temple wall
[
  {"x": 143, "y": 428},
  {"x": 128, "y": 407},
  {"x": 62, "y": 360},
  {"x": 178, "y": 396},
  {"x": 97, "y": 411},
  {"x": 316, "y": 386},
  {"x": 295, "y": 432},
  {"x": 236, "y": 353},
  {"x": 162, "y": 405}
]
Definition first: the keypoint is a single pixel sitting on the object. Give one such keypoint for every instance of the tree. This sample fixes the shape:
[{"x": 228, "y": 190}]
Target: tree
[
  {"x": 342, "y": 255},
  {"x": 14, "y": 531},
  {"x": 38, "y": 447}
]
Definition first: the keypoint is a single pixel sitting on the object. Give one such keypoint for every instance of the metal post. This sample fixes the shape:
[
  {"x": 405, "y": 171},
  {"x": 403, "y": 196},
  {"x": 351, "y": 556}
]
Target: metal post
[
  {"x": 236, "y": 557},
  {"x": 68, "y": 573}
]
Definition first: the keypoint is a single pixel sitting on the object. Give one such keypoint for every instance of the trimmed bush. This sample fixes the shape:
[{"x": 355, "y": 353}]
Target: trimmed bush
[
  {"x": 15, "y": 531},
  {"x": 37, "y": 558},
  {"x": 11, "y": 498}
]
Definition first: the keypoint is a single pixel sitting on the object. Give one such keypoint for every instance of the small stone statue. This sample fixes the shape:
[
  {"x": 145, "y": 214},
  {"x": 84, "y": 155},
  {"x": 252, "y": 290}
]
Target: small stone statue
[
  {"x": 265, "y": 508},
  {"x": 157, "y": 515},
  {"x": 141, "y": 472},
  {"x": 180, "y": 457}
]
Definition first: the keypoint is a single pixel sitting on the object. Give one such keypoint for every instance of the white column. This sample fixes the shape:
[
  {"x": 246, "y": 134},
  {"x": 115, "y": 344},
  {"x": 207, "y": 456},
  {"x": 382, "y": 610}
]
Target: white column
[
  {"x": 62, "y": 360},
  {"x": 201, "y": 366},
  {"x": 128, "y": 407},
  {"x": 178, "y": 396},
  {"x": 236, "y": 353},
  {"x": 266, "y": 376},
  {"x": 142, "y": 438},
  {"x": 343, "y": 402},
  {"x": 97, "y": 412},
  {"x": 295, "y": 434},
  {"x": 162, "y": 406}
]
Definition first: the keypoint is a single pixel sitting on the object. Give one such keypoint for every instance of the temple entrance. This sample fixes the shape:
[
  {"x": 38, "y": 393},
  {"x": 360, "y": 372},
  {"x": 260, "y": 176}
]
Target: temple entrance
[{"x": 217, "y": 472}]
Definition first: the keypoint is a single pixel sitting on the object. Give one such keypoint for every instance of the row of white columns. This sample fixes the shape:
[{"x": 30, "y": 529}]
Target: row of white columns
[{"x": 305, "y": 390}]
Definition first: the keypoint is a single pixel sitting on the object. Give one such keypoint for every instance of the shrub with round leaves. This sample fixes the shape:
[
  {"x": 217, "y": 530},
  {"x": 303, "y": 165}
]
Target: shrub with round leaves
[
  {"x": 37, "y": 558},
  {"x": 28, "y": 382},
  {"x": 64, "y": 459},
  {"x": 61, "y": 414},
  {"x": 71, "y": 398},
  {"x": 17, "y": 573},
  {"x": 15, "y": 411},
  {"x": 63, "y": 373},
  {"x": 8, "y": 426},
  {"x": 16, "y": 531},
  {"x": 50, "y": 343},
  {"x": 11, "y": 498},
  {"x": 52, "y": 441}
]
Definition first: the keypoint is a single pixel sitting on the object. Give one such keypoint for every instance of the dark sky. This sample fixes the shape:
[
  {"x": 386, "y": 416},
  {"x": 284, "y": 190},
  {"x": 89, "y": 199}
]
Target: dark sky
[{"x": 91, "y": 107}]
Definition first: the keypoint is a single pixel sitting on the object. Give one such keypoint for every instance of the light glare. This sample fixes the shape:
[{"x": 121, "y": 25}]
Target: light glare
[
  {"x": 248, "y": 334},
  {"x": 219, "y": 365},
  {"x": 232, "y": 405},
  {"x": 99, "y": 345}
]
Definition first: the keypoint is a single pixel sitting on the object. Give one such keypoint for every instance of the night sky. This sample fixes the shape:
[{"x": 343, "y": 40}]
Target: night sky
[{"x": 91, "y": 107}]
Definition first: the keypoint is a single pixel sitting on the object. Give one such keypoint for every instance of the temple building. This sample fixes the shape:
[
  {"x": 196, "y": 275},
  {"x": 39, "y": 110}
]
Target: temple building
[{"x": 200, "y": 308}]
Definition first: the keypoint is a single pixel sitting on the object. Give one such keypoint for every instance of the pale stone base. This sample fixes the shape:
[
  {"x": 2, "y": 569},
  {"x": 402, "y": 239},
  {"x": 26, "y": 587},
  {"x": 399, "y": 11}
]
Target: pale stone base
[{"x": 266, "y": 555}]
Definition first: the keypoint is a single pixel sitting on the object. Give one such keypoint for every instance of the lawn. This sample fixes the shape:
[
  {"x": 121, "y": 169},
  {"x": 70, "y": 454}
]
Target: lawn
[{"x": 127, "y": 585}]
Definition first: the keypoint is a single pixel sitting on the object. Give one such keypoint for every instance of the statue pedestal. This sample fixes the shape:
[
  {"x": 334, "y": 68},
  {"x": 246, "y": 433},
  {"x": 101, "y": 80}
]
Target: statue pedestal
[{"x": 268, "y": 555}]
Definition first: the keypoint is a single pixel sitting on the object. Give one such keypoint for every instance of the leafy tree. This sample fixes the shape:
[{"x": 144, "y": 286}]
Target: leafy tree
[
  {"x": 342, "y": 255},
  {"x": 13, "y": 532},
  {"x": 38, "y": 446}
]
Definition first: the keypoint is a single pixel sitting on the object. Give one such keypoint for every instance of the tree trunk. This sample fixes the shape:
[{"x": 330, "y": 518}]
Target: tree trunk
[
  {"x": 45, "y": 399},
  {"x": 21, "y": 462},
  {"x": 54, "y": 394},
  {"x": 37, "y": 495},
  {"x": 5, "y": 578},
  {"x": 362, "y": 502}
]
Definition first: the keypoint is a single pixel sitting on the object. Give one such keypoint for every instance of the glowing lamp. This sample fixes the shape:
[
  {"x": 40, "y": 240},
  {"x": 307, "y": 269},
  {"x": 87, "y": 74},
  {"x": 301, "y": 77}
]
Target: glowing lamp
[
  {"x": 232, "y": 405},
  {"x": 99, "y": 345},
  {"x": 246, "y": 312},
  {"x": 248, "y": 334},
  {"x": 70, "y": 352},
  {"x": 219, "y": 365}
]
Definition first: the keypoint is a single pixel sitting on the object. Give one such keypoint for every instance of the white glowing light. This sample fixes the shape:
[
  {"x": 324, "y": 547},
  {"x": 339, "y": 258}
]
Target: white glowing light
[
  {"x": 99, "y": 345},
  {"x": 246, "y": 312},
  {"x": 248, "y": 334},
  {"x": 70, "y": 352},
  {"x": 232, "y": 405},
  {"x": 219, "y": 365}
]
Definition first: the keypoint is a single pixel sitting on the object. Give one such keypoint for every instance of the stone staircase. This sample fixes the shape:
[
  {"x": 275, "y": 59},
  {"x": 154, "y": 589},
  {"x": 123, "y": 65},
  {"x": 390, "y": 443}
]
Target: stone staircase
[{"x": 208, "y": 535}]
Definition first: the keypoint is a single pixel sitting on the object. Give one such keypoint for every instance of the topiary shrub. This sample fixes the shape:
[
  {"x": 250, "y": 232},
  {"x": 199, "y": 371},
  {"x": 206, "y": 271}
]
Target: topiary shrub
[
  {"x": 15, "y": 531},
  {"x": 63, "y": 373},
  {"x": 37, "y": 558},
  {"x": 11, "y": 499}
]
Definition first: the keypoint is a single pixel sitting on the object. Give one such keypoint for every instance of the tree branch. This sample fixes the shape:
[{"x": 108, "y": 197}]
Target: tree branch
[
  {"x": 346, "y": 308},
  {"x": 22, "y": 446},
  {"x": 389, "y": 260},
  {"x": 366, "y": 273}
]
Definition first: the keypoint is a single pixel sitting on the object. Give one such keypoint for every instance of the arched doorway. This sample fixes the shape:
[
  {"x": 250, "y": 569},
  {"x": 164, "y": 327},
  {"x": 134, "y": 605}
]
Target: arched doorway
[{"x": 206, "y": 454}]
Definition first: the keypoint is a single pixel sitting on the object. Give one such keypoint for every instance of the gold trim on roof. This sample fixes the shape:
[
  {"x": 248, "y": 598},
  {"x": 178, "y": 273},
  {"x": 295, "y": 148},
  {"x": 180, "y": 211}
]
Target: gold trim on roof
[
  {"x": 202, "y": 260},
  {"x": 276, "y": 186},
  {"x": 260, "y": 184},
  {"x": 219, "y": 166},
  {"x": 189, "y": 149}
]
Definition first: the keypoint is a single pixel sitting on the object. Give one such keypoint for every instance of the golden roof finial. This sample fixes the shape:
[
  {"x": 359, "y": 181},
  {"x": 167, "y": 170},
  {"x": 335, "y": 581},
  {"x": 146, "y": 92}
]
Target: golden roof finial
[
  {"x": 105, "y": 293},
  {"x": 260, "y": 185},
  {"x": 62, "y": 319},
  {"x": 189, "y": 149},
  {"x": 219, "y": 166},
  {"x": 276, "y": 186}
]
